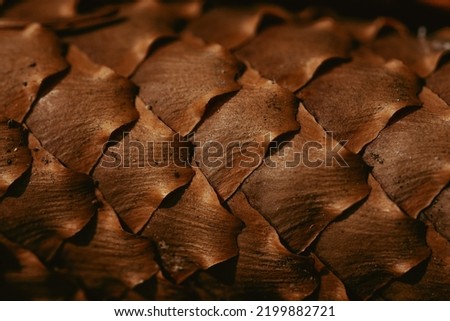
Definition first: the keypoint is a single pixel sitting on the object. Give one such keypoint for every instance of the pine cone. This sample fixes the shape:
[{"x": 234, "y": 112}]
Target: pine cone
[{"x": 160, "y": 150}]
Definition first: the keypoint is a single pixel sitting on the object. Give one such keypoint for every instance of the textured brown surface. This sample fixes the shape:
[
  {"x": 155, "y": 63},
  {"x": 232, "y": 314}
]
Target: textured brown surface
[
  {"x": 242, "y": 129},
  {"x": 93, "y": 255},
  {"x": 146, "y": 166},
  {"x": 433, "y": 283},
  {"x": 233, "y": 26},
  {"x": 294, "y": 211},
  {"x": 41, "y": 11},
  {"x": 25, "y": 277},
  {"x": 411, "y": 157},
  {"x": 90, "y": 103},
  {"x": 300, "y": 201},
  {"x": 345, "y": 101},
  {"x": 29, "y": 56},
  {"x": 15, "y": 156},
  {"x": 166, "y": 290},
  {"x": 123, "y": 45},
  {"x": 279, "y": 274},
  {"x": 195, "y": 233},
  {"x": 331, "y": 287},
  {"x": 439, "y": 213},
  {"x": 439, "y": 83},
  {"x": 366, "y": 31},
  {"x": 416, "y": 52},
  {"x": 61, "y": 203},
  {"x": 59, "y": 15},
  {"x": 292, "y": 64},
  {"x": 373, "y": 245},
  {"x": 179, "y": 80}
]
